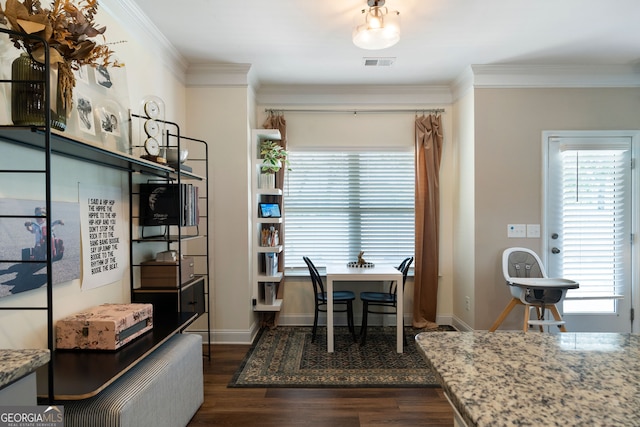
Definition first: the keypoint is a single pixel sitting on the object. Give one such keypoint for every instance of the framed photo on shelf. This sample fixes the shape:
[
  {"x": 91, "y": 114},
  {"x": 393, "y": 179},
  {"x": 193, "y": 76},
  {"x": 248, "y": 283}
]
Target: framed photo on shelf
[{"x": 101, "y": 108}]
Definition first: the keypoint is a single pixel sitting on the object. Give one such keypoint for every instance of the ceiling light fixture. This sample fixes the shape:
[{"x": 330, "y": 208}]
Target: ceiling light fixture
[{"x": 380, "y": 29}]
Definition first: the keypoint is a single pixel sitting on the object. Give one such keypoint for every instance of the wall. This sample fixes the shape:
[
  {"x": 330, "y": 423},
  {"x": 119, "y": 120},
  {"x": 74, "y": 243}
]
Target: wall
[
  {"x": 147, "y": 73},
  {"x": 464, "y": 222},
  {"x": 508, "y": 176},
  {"x": 218, "y": 115}
]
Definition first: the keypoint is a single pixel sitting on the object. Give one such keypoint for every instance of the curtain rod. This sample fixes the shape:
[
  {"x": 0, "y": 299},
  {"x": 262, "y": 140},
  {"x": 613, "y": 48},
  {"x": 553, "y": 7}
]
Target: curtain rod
[{"x": 412, "y": 110}]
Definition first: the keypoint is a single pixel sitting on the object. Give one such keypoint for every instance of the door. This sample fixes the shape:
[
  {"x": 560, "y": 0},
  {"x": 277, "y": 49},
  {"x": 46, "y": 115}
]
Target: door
[{"x": 589, "y": 226}]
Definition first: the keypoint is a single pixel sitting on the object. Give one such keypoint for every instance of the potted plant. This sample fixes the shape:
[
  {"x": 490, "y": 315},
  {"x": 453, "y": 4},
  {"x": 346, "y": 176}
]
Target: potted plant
[
  {"x": 69, "y": 31},
  {"x": 274, "y": 157}
]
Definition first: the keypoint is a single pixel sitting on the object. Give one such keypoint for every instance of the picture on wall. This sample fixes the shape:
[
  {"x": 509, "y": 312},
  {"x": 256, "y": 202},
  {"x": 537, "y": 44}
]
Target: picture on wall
[{"x": 24, "y": 240}]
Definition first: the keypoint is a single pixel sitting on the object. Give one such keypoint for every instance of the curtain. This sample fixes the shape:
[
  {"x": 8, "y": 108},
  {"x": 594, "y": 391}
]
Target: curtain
[
  {"x": 276, "y": 120},
  {"x": 428, "y": 151}
]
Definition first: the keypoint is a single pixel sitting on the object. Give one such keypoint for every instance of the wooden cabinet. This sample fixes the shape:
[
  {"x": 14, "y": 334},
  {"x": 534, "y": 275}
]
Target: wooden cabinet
[{"x": 190, "y": 298}]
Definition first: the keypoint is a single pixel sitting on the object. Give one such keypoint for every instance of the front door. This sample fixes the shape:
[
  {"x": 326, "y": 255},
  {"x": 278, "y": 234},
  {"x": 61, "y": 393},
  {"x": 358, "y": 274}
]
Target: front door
[{"x": 589, "y": 226}]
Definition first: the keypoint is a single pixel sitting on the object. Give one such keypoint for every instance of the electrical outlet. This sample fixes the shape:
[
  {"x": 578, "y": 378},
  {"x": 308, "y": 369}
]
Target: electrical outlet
[{"x": 467, "y": 303}]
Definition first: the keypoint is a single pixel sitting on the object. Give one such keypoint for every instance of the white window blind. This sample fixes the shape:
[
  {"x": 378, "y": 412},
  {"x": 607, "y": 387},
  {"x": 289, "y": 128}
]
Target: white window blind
[
  {"x": 595, "y": 225},
  {"x": 340, "y": 203}
]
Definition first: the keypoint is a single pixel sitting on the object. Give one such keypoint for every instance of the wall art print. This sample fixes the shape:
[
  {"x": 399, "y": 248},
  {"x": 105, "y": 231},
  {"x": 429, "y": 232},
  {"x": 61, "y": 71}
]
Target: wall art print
[{"x": 22, "y": 240}]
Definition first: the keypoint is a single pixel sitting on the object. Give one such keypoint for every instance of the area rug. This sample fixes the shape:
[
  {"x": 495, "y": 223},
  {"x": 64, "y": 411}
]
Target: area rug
[{"x": 286, "y": 357}]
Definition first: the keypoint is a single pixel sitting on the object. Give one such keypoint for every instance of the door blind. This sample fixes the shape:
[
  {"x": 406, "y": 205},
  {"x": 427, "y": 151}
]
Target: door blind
[{"x": 594, "y": 204}]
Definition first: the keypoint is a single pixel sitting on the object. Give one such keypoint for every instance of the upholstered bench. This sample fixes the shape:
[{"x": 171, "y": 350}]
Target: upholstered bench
[{"x": 164, "y": 389}]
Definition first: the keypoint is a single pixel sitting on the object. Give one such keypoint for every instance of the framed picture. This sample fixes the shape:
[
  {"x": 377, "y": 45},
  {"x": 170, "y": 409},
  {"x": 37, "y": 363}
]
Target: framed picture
[
  {"x": 101, "y": 108},
  {"x": 84, "y": 112}
]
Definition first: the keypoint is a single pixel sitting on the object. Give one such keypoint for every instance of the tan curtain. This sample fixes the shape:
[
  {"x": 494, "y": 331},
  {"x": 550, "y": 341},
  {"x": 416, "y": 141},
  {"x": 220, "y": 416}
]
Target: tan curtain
[
  {"x": 276, "y": 121},
  {"x": 428, "y": 135}
]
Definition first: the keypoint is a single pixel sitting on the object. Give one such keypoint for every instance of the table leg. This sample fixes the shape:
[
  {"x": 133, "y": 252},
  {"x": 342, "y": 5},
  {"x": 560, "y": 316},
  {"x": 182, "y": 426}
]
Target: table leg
[
  {"x": 329, "y": 314},
  {"x": 399, "y": 317}
]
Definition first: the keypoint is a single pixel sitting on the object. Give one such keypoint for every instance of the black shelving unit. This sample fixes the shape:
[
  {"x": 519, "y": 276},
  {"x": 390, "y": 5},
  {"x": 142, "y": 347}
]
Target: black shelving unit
[
  {"x": 65, "y": 375},
  {"x": 191, "y": 296},
  {"x": 40, "y": 138}
]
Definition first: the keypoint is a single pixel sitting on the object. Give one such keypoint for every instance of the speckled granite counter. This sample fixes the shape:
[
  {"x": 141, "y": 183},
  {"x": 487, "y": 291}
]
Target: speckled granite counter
[
  {"x": 15, "y": 364},
  {"x": 513, "y": 378}
]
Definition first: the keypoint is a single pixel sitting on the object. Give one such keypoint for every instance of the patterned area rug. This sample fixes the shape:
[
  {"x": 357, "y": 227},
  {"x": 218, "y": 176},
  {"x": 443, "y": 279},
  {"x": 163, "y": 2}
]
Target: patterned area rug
[{"x": 286, "y": 357}]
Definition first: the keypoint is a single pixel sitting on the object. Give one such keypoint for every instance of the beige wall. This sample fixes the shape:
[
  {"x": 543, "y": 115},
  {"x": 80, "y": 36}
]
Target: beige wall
[
  {"x": 219, "y": 116},
  {"x": 508, "y": 162},
  {"x": 464, "y": 224}
]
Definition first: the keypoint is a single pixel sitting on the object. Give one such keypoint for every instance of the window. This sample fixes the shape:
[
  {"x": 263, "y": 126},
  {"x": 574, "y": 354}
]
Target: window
[{"x": 340, "y": 203}]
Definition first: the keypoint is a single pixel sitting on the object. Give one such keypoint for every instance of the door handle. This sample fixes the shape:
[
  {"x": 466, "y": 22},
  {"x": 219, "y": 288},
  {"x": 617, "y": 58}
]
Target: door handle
[{"x": 555, "y": 250}]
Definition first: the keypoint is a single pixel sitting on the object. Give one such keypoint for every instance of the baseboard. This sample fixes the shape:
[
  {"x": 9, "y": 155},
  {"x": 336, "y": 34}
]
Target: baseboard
[
  {"x": 227, "y": 336},
  {"x": 460, "y": 325},
  {"x": 232, "y": 336}
]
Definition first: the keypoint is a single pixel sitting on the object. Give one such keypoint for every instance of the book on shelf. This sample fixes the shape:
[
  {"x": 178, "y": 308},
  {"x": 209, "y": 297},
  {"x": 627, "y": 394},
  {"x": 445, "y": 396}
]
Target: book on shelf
[{"x": 169, "y": 204}]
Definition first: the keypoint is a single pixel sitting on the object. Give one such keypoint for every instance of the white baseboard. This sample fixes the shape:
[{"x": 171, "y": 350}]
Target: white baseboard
[{"x": 247, "y": 336}]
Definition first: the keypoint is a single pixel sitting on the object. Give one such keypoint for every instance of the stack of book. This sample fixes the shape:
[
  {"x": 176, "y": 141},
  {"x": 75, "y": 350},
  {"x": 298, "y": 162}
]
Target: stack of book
[{"x": 169, "y": 204}]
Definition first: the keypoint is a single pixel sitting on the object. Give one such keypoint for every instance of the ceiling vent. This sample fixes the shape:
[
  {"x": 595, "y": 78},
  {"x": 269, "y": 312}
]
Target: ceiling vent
[{"x": 378, "y": 62}]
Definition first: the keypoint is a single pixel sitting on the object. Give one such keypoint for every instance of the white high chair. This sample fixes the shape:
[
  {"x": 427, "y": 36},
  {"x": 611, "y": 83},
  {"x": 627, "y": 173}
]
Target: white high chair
[{"x": 530, "y": 286}]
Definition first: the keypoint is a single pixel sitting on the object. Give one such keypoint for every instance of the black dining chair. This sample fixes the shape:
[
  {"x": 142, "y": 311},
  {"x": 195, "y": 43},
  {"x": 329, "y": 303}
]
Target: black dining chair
[
  {"x": 320, "y": 297},
  {"x": 383, "y": 300}
]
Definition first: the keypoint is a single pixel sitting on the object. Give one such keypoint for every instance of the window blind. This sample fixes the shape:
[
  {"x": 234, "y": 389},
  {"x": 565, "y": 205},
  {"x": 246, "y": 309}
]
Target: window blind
[
  {"x": 340, "y": 203},
  {"x": 595, "y": 224}
]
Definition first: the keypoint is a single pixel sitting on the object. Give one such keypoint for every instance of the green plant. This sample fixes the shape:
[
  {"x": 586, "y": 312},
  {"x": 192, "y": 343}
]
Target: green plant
[{"x": 274, "y": 156}]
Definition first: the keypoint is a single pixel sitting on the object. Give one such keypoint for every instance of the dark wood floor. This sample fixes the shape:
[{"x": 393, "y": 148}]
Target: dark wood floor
[{"x": 344, "y": 407}]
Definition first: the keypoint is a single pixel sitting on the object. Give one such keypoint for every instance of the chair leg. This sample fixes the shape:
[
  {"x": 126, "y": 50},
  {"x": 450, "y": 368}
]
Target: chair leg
[
  {"x": 505, "y": 313},
  {"x": 352, "y": 327},
  {"x": 363, "y": 328},
  {"x": 527, "y": 316},
  {"x": 315, "y": 326},
  {"x": 556, "y": 315}
]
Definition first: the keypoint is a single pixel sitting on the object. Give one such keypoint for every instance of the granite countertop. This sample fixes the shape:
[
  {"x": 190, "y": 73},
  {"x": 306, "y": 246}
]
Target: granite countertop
[
  {"x": 15, "y": 364},
  {"x": 517, "y": 378}
]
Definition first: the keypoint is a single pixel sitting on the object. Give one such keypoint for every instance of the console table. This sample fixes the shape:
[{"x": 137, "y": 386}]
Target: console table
[{"x": 385, "y": 273}]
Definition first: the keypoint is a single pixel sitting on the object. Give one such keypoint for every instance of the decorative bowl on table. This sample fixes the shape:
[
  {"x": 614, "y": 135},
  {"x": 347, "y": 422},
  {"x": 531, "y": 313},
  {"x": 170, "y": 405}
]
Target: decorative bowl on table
[{"x": 356, "y": 264}]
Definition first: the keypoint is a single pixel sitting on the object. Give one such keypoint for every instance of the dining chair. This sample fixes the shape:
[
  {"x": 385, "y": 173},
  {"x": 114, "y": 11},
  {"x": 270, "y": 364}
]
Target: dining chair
[
  {"x": 383, "y": 299},
  {"x": 345, "y": 298}
]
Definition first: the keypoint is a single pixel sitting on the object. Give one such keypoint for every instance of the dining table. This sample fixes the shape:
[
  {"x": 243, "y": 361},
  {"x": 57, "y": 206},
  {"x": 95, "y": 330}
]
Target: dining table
[{"x": 377, "y": 273}]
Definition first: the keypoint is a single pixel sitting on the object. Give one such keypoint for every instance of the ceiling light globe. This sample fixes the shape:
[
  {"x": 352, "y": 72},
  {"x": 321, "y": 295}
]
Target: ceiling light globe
[{"x": 378, "y": 31}]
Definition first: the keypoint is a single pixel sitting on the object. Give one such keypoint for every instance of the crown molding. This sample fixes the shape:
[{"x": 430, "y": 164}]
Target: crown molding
[
  {"x": 353, "y": 95},
  {"x": 131, "y": 18},
  {"x": 214, "y": 74},
  {"x": 546, "y": 76}
]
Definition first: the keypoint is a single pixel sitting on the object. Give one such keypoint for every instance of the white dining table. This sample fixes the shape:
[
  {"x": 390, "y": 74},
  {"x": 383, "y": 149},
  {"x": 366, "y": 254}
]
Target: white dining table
[{"x": 342, "y": 273}]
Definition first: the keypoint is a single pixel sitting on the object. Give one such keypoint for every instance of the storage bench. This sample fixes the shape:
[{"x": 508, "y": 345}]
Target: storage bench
[{"x": 164, "y": 389}]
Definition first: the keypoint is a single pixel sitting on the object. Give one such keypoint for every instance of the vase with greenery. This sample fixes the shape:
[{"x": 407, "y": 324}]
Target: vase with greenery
[
  {"x": 69, "y": 30},
  {"x": 274, "y": 157}
]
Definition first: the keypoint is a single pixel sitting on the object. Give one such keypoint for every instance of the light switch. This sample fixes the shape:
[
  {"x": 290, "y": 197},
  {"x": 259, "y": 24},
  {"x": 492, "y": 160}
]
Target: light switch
[
  {"x": 516, "y": 230},
  {"x": 533, "y": 231}
]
